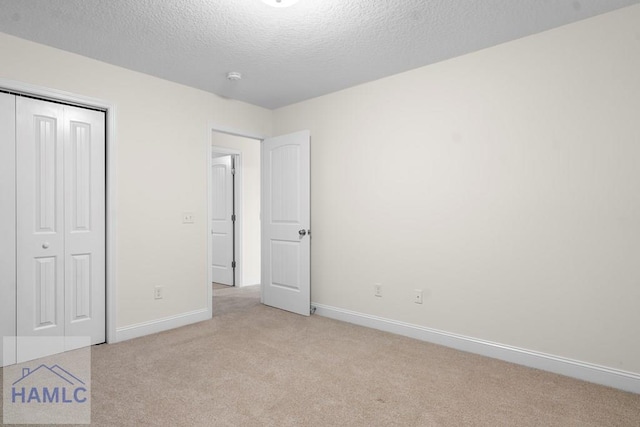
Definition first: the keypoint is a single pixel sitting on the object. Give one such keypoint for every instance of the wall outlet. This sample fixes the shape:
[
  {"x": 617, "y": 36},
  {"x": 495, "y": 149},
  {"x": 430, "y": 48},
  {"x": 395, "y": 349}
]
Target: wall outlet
[
  {"x": 417, "y": 298},
  {"x": 188, "y": 217},
  {"x": 377, "y": 289},
  {"x": 158, "y": 292}
]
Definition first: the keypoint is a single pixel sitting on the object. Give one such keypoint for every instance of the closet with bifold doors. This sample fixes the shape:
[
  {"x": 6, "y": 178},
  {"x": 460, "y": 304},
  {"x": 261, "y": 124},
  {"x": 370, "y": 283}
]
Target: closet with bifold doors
[{"x": 52, "y": 227}]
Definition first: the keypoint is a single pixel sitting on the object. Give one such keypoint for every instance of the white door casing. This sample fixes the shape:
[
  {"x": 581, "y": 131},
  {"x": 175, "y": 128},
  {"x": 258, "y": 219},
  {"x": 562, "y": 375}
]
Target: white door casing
[
  {"x": 60, "y": 224},
  {"x": 286, "y": 221},
  {"x": 7, "y": 230},
  {"x": 221, "y": 222}
]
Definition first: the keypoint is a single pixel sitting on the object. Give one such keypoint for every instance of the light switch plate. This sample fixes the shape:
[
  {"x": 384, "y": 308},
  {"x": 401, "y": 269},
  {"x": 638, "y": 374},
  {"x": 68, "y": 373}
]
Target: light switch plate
[{"x": 188, "y": 218}]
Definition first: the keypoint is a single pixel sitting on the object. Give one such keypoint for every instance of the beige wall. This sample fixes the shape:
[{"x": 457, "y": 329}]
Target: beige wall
[
  {"x": 503, "y": 183},
  {"x": 162, "y": 141},
  {"x": 250, "y": 196}
]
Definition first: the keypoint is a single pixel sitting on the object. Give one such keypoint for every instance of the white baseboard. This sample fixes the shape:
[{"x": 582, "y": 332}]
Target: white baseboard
[
  {"x": 603, "y": 375},
  {"x": 147, "y": 328},
  {"x": 250, "y": 281},
  {"x": 249, "y": 284}
]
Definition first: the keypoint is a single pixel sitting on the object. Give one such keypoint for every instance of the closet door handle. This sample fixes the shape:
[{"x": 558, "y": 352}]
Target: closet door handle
[{"x": 45, "y": 245}]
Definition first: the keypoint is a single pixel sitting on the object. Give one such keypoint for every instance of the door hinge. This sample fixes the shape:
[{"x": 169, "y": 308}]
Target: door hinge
[
  {"x": 233, "y": 171},
  {"x": 233, "y": 264},
  {"x": 233, "y": 217}
]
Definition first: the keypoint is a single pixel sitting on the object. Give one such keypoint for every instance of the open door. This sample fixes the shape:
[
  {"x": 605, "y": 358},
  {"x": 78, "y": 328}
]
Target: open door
[
  {"x": 222, "y": 218},
  {"x": 286, "y": 221}
]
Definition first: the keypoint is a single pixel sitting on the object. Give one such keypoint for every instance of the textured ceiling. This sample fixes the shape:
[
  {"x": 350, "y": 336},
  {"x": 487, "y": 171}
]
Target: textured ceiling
[{"x": 285, "y": 55}]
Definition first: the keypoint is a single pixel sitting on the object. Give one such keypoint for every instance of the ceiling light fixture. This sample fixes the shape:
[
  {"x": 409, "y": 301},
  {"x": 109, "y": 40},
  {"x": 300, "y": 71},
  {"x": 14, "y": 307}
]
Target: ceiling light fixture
[
  {"x": 234, "y": 76},
  {"x": 280, "y": 3}
]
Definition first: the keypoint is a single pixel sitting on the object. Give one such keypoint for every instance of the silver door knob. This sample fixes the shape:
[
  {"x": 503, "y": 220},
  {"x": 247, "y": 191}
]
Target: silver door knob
[
  {"x": 45, "y": 245},
  {"x": 302, "y": 232}
]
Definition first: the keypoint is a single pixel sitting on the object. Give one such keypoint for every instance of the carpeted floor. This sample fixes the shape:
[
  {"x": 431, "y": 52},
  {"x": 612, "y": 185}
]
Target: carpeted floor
[
  {"x": 217, "y": 286},
  {"x": 253, "y": 365}
]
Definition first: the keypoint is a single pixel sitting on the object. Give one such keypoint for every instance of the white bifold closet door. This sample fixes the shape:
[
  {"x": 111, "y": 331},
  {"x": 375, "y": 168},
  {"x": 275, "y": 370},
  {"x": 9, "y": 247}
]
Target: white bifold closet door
[
  {"x": 60, "y": 224},
  {"x": 7, "y": 229}
]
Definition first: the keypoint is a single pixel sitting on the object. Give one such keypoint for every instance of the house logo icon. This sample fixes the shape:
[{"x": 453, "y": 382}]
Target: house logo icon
[{"x": 48, "y": 384}]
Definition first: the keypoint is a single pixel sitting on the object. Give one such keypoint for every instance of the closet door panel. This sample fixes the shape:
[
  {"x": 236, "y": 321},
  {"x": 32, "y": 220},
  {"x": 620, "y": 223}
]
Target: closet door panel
[
  {"x": 39, "y": 224},
  {"x": 7, "y": 230},
  {"x": 85, "y": 223}
]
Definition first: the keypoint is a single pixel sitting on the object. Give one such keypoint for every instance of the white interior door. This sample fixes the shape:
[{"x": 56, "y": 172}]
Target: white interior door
[
  {"x": 286, "y": 221},
  {"x": 221, "y": 220},
  {"x": 7, "y": 230},
  {"x": 60, "y": 184}
]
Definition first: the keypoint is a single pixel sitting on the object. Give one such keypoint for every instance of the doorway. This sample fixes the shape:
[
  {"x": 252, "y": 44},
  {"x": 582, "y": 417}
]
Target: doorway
[
  {"x": 235, "y": 245},
  {"x": 273, "y": 235}
]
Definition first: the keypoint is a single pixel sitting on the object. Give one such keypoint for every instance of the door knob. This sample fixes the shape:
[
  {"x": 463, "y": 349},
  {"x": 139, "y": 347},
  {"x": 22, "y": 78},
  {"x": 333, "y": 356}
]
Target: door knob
[
  {"x": 45, "y": 245},
  {"x": 302, "y": 232}
]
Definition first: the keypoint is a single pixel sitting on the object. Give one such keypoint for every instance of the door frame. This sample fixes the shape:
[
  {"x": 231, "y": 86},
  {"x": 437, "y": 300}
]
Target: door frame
[
  {"x": 110, "y": 191},
  {"x": 237, "y": 201},
  {"x": 211, "y": 148}
]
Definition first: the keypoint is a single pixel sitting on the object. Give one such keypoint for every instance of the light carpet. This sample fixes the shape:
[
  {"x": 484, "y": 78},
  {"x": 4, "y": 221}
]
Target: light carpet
[{"x": 253, "y": 365}]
